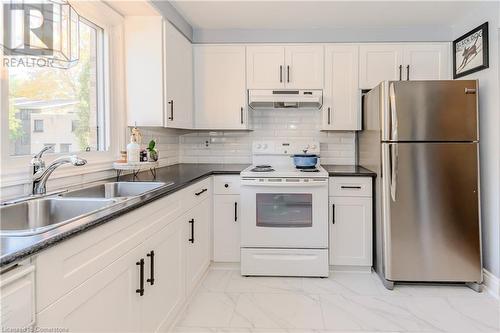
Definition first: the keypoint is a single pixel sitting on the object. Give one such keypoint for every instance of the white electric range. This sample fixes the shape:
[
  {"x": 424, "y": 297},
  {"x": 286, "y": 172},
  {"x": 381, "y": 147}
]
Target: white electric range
[{"x": 284, "y": 224}]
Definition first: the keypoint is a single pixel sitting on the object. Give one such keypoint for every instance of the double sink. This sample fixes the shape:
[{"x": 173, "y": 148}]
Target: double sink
[{"x": 35, "y": 216}]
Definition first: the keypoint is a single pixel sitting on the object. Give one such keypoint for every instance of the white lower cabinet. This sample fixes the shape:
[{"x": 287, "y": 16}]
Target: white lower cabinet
[
  {"x": 351, "y": 226},
  {"x": 197, "y": 237},
  {"x": 227, "y": 228},
  {"x": 149, "y": 270}
]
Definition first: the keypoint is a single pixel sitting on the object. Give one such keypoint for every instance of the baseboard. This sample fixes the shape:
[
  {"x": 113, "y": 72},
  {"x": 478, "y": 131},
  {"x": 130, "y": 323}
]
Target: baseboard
[
  {"x": 492, "y": 283},
  {"x": 351, "y": 269}
]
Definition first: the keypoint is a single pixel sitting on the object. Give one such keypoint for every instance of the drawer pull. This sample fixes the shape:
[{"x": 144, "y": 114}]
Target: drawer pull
[
  {"x": 351, "y": 187},
  {"x": 202, "y": 191}
]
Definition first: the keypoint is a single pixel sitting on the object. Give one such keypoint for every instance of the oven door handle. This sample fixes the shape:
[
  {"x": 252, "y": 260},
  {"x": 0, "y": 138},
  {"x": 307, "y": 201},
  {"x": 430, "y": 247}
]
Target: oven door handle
[{"x": 290, "y": 184}]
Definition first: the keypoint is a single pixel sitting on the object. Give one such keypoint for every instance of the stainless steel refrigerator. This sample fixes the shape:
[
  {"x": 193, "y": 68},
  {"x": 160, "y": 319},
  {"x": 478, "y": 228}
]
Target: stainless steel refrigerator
[{"x": 421, "y": 138}]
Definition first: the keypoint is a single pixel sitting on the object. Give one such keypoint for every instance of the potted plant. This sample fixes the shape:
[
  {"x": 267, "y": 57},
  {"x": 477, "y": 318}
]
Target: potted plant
[{"x": 153, "y": 153}]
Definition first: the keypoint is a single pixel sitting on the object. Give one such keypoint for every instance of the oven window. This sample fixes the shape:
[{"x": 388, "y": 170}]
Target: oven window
[{"x": 277, "y": 210}]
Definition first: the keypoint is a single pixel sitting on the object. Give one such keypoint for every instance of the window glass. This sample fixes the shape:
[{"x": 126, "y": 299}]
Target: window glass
[{"x": 62, "y": 105}]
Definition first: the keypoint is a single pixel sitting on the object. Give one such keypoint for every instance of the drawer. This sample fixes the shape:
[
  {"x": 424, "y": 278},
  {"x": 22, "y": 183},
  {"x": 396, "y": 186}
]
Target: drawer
[
  {"x": 350, "y": 187},
  {"x": 196, "y": 193},
  {"x": 227, "y": 184}
]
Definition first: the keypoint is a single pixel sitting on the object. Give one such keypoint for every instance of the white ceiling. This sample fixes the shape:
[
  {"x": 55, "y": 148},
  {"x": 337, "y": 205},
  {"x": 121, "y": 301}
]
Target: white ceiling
[{"x": 287, "y": 14}]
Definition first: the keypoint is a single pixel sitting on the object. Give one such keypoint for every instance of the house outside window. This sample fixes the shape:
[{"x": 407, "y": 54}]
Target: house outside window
[
  {"x": 64, "y": 147},
  {"x": 38, "y": 125}
]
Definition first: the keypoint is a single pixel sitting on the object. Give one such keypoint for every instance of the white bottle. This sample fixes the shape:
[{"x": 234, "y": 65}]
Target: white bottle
[{"x": 133, "y": 150}]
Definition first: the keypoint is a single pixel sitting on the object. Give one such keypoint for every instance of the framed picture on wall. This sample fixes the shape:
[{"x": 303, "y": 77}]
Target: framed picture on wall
[{"x": 470, "y": 52}]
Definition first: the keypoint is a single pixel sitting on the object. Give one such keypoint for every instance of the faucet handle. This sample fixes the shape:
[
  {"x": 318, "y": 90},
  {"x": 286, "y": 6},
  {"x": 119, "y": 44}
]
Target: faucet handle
[{"x": 40, "y": 153}]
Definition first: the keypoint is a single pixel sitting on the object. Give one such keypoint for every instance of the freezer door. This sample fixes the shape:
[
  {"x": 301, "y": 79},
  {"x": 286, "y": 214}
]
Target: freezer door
[
  {"x": 431, "y": 215},
  {"x": 432, "y": 111}
]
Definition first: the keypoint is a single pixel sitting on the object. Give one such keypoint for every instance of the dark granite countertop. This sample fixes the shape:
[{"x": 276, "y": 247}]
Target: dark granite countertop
[
  {"x": 348, "y": 170},
  {"x": 182, "y": 175}
]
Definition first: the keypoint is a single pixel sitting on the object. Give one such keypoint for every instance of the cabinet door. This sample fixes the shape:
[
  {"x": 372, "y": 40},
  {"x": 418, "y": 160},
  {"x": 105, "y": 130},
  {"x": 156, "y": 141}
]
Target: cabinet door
[
  {"x": 379, "y": 62},
  {"x": 427, "y": 61},
  {"x": 179, "y": 79},
  {"x": 220, "y": 92},
  {"x": 304, "y": 67},
  {"x": 197, "y": 238},
  {"x": 164, "y": 296},
  {"x": 107, "y": 302},
  {"x": 144, "y": 70},
  {"x": 265, "y": 67},
  {"x": 341, "y": 101},
  {"x": 351, "y": 231},
  {"x": 227, "y": 228}
]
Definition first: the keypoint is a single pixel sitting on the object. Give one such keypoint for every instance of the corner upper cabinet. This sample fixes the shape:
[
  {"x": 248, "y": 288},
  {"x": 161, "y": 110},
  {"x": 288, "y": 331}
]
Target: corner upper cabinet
[
  {"x": 427, "y": 61},
  {"x": 285, "y": 67},
  {"x": 220, "y": 87},
  {"x": 178, "y": 52},
  {"x": 158, "y": 74},
  {"x": 341, "y": 98}
]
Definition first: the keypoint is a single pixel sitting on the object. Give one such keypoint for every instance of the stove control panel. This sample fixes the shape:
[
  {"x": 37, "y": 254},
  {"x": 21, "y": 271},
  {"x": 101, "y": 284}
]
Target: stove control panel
[{"x": 285, "y": 147}]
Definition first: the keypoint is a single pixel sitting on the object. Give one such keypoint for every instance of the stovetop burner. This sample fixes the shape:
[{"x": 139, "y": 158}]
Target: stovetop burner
[{"x": 262, "y": 168}]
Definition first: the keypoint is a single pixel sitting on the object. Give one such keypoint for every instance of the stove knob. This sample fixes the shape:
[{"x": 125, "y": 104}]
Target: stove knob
[
  {"x": 264, "y": 146},
  {"x": 259, "y": 146}
]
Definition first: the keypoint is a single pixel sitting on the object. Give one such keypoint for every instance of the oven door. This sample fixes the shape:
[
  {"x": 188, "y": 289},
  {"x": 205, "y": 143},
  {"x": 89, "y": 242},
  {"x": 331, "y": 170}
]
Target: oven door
[{"x": 285, "y": 215}]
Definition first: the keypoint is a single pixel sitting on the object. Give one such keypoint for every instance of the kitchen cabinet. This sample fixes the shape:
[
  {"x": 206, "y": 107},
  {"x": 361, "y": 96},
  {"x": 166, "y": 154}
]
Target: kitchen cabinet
[
  {"x": 220, "y": 87},
  {"x": 158, "y": 64},
  {"x": 285, "y": 67},
  {"x": 227, "y": 228},
  {"x": 351, "y": 221},
  {"x": 197, "y": 240},
  {"x": 341, "y": 98},
  {"x": 403, "y": 61},
  {"x": 179, "y": 78}
]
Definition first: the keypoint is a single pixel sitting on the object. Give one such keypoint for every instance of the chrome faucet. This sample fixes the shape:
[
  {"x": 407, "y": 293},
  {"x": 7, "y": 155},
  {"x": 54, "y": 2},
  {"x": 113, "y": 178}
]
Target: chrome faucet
[{"x": 41, "y": 173}]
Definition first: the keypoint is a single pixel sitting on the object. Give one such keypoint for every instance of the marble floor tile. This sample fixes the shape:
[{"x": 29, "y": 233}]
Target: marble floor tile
[
  {"x": 216, "y": 280},
  {"x": 208, "y": 309},
  {"x": 280, "y": 310},
  {"x": 252, "y": 284}
]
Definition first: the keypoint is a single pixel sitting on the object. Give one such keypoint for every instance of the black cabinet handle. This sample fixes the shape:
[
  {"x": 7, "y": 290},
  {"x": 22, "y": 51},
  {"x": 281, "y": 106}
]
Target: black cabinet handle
[
  {"x": 192, "y": 230},
  {"x": 235, "y": 212},
  {"x": 400, "y": 72},
  {"x": 288, "y": 74},
  {"x": 351, "y": 187},
  {"x": 151, "y": 279},
  {"x": 171, "y": 109},
  {"x": 408, "y": 73},
  {"x": 333, "y": 213},
  {"x": 202, "y": 191},
  {"x": 329, "y": 116},
  {"x": 140, "y": 291},
  {"x": 281, "y": 73},
  {"x": 241, "y": 114}
]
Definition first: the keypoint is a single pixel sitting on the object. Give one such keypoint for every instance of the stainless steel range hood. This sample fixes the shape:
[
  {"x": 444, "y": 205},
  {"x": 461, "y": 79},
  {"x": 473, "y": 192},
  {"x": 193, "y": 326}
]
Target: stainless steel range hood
[{"x": 282, "y": 99}]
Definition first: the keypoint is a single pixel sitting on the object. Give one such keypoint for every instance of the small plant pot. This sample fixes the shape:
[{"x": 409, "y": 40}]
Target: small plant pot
[{"x": 153, "y": 155}]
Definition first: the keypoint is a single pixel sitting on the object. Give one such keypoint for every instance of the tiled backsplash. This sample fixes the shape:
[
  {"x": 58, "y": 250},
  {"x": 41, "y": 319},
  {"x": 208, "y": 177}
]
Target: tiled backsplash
[
  {"x": 236, "y": 147},
  {"x": 167, "y": 143}
]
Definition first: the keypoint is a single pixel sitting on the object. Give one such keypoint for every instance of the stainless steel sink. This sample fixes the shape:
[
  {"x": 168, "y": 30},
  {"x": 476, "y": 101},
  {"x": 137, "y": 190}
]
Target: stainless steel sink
[
  {"x": 114, "y": 190},
  {"x": 39, "y": 215}
]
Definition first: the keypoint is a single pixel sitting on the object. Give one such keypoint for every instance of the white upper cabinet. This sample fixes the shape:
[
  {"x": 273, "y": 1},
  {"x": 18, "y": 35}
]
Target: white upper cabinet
[
  {"x": 379, "y": 62},
  {"x": 304, "y": 67},
  {"x": 429, "y": 61},
  {"x": 341, "y": 98},
  {"x": 159, "y": 74},
  {"x": 265, "y": 67},
  {"x": 144, "y": 70},
  {"x": 404, "y": 61},
  {"x": 179, "y": 78},
  {"x": 220, "y": 87},
  {"x": 280, "y": 67}
]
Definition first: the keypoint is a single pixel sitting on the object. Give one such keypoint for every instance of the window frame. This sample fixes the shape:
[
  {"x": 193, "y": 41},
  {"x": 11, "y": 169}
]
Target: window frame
[
  {"x": 35, "y": 127},
  {"x": 110, "y": 98}
]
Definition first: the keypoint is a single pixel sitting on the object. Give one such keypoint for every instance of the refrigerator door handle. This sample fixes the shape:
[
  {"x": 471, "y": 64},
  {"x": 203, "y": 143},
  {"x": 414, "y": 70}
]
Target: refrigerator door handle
[
  {"x": 394, "y": 113},
  {"x": 393, "y": 157}
]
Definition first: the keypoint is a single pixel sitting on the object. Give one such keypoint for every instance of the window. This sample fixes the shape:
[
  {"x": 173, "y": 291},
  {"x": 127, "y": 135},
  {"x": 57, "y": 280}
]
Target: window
[
  {"x": 68, "y": 101},
  {"x": 64, "y": 147},
  {"x": 38, "y": 125}
]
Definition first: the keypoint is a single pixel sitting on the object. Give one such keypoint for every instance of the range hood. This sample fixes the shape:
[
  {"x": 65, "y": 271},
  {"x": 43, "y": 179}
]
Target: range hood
[{"x": 281, "y": 99}]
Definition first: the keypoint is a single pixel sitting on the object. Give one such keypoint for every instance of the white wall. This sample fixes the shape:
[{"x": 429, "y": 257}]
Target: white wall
[
  {"x": 236, "y": 146},
  {"x": 489, "y": 127}
]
